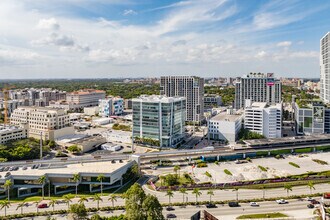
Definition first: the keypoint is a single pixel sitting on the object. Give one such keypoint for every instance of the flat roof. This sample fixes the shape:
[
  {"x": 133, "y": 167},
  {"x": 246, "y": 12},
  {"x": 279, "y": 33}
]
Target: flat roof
[
  {"x": 223, "y": 116},
  {"x": 157, "y": 98},
  {"x": 93, "y": 167}
]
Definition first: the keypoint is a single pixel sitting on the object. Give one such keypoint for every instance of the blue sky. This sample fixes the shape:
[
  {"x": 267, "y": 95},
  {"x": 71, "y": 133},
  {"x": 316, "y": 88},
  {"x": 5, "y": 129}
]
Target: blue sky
[{"x": 131, "y": 38}]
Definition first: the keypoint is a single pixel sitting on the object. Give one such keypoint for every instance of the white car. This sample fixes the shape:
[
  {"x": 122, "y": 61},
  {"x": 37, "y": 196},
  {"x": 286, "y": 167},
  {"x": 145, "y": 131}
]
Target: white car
[
  {"x": 254, "y": 204},
  {"x": 282, "y": 201},
  {"x": 309, "y": 199}
]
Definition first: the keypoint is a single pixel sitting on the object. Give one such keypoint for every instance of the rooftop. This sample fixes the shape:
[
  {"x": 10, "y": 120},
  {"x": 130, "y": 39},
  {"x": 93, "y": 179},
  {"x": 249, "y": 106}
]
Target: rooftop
[
  {"x": 86, "y": 91},
  {"x": 224, "y": 116},
  {"x": 158, "y": 98},
  {"x": 262, "y": 105},
  {"x": 4, "y": 128}
]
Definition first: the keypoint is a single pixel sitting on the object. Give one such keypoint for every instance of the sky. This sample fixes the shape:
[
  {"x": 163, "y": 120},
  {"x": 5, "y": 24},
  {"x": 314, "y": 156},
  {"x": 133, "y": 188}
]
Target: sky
[{"x": 150, "y": 38}]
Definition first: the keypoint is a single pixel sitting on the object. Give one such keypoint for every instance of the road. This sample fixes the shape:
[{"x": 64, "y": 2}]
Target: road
[
  {"x": 219, "y": 195},
  {"x": 294, "y": 207}
]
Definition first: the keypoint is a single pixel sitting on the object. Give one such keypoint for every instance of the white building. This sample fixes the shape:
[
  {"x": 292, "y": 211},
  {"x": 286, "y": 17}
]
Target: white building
[
  {"x": 325, "y": 68},
  {"x": 10, "y": 133},
  {"x": 85, "y": 98},
  {"x": 111, "y": 106},
  {"x": 190, "y": 87},
  {"x": 257, "y": 87},
  {"x": 264, "y": 119},
  {"x": 90, "y": 111},
  {"x": 225, "y": 126},
  {"x": 51, "y": 123}
]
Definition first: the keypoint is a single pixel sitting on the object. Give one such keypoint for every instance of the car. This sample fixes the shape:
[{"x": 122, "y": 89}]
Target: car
[
  {"x": 210, "y": 205},
  {"x": 42, "y": 206},
  {"x": 11, "y": 168},
  {"x": 310, "y": 206},
  {"x": 233, "y": 204},
  {"x": 1, "y": 169},
  {"x": 34, "y": 166},
  {"x": 7, "y": 174},
  {"x": 254, "y": 204},
  {"x": 120, "y": 161},
  {"x": 309, "y": 199},
  {"x": 6, "y": 169},
  {"x": 24, "y": 168},
  {"x": 153, "y": 167},
  {"x": 113, "y": 161},
  {"x": 281, "y": 201},
  {"x": 170, "y": 208},
  {"x": 170, "y": 215},
  {"x": 314, "y": 202}
]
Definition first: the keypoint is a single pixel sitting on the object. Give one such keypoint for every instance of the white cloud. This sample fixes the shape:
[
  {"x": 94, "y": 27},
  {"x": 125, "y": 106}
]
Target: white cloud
[
  {"x": 56, "y": 40},
  {"x": 284, "y": 44},
  {"x": 48, "y": 24},
  {"x": 129, "y": 12}
]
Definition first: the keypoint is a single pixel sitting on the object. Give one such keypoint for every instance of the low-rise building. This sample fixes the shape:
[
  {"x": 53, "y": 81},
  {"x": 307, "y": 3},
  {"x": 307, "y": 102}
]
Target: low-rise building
[
  {"x": 225, "y": 126},
  {"x": 111, "y": 106},
  {"x": 85, "y": 98},
  {"x": 212, "y": 101},
  {"x": 45, "y": 122},
  {"x": 11, "y": 133},
  {"x": 85, "y": 143},
  {"x": 159, "y": 120},
  {"x": 90, "y": 111},
  {"x": 264, "y": 119}
]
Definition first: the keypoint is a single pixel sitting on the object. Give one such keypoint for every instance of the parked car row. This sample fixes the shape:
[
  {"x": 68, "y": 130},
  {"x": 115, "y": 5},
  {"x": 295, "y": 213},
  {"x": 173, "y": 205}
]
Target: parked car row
[{"x": 15, "y": 168}]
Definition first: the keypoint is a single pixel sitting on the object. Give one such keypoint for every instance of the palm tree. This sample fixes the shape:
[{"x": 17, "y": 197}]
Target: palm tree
[
  {"x": 67, "y": 200},
  {"x": 176, "y": 169},
  {"x": 210, "y": 193},
  {"x": 76, "y": 179},
  {"x": 310, "y": 185},
  {"x": 236, "y": 189},
  {"x": 20, "y": 206},
  {"x": 197, "y": 193},
  {"x": 288, "y": 188},
  {"x": 5, "y": 204},
  {"x": 183, "y": 191},
  {"x": 113, "y": 199},
  {"x": 97, "y": 198},
  {"x": 42, "y": 181},
  {"x": 170, "y": 194},
  {"x": 52, "y": 203},
  {"x": 82, "y": 199},
  {"x": 100, "y": 178},
  {"x": 8, "y": 184}
]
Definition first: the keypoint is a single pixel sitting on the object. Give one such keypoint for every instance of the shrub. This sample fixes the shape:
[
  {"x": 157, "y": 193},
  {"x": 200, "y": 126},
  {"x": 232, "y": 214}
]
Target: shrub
[
  {"x": 202, "y": 164},
  {"x": 322, "y": 162},
  {"x": 262, "y": 168},
  {"x": 248, "y": 159},
  {"x": 294, "y": 164},
  {"x": 227, "y": 172},
  {"x": 216, "y": 162}
]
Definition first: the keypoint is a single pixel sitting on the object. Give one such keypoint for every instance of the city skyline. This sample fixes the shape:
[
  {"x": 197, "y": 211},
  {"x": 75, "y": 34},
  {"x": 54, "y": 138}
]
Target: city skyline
[{"x": 207, "y": 38}]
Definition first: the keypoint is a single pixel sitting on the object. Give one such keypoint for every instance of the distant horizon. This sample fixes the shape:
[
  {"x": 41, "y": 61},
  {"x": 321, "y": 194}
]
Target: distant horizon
[{"x": 131, "y": 38}]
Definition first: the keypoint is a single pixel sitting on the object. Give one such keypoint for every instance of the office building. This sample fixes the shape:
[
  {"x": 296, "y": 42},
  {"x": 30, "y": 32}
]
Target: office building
[
  {"x": 264, "y": 119},
  {"x": 190, "y": 87},
  {"x": 50, "y": 123},
  {"x": 159, "y": 120},
  {"x": 111, "y": 106},
  {"x": 257, "y": 87},
  {"x": 11, "y": 133},
  {"x": 325, "y": 68},
  {"x": 212, "y": 101},
  {"x": 85, "y": 98},
  {"x": 225, "y": 126}
]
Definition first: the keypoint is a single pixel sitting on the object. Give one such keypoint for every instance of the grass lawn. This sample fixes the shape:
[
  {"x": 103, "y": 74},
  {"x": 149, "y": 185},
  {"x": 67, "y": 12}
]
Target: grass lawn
[{"x": 262, "y": 216}]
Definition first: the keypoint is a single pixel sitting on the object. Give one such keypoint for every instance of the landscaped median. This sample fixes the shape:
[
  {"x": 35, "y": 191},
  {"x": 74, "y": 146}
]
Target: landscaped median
[{"x": 263, "y": 215}]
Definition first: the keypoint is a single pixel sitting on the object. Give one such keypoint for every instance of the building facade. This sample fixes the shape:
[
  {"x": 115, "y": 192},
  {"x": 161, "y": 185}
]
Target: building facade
[
  {"x": 212, "y": 101},
  {"x": 325, "y": 68},
  {"x": 257, "y": 87},
  {"x": 159, "y": 118},
  {"x": 225, "y": 126},
  {"x": 49, "y": 123},
  {"x": 85, "y": 98},
  {"x": 264, "y": 119},
  {"x": 111, "y": 106},
  {"x": 11, "y": 133},
  {"x": 190, "y": 87}
]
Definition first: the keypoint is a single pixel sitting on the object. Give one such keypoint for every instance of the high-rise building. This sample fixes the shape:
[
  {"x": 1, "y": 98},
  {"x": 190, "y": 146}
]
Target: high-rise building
[
  {"x": 264, "y": 119},
  {"x": 257, "y": 87},
  {"x": 325, "y": 68},
  {"x": 159, "y": 120},
  {"x": 190, "y": 87}
]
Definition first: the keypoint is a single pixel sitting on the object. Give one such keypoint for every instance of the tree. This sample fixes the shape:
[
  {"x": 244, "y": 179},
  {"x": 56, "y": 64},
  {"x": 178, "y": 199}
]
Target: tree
[
  {"x": 5, "y": 204},
  {"x": 210, "y": 193},
  {"x": 288, "y": 188},
  {"x": 170, "y": 194},
  {"x": 52, "y": 203},
  {"x": 67, "y": 200},
  {"x": 176, "y": 169},
  {"x": 310, "y": 185},
  {"x": 8, "y": 184},
  {"x": 112, "y": 198},
  {"x": 21, "y": 206},
  {"x": 82, "y": 200},
  {"x": 74, "y": 149},
  {"x": 236, "y": 190},
  {"x": 100, "y": 178},
  {"x": 76, "y": 179},
  {"x": 152, "y": 208},
  {"x": 134, "y": 198},
  {"x": 78, "y": 211},
  {"x": 97, "y": 199},
  {"x": 197, "y": 194},
  {"x": 42, "y": 181},
  {"x": 183, "y": 191}
]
